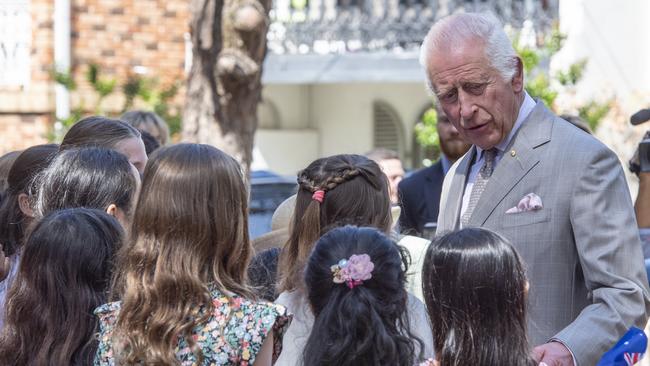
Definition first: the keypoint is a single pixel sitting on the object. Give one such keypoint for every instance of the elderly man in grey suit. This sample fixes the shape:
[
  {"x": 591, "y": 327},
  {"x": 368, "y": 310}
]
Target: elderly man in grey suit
[{"x": 557, "y": 193}]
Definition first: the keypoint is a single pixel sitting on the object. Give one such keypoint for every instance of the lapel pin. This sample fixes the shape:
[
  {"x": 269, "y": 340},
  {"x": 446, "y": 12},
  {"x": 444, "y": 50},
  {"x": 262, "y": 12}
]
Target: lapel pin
[{"x": 513, "y": 153}]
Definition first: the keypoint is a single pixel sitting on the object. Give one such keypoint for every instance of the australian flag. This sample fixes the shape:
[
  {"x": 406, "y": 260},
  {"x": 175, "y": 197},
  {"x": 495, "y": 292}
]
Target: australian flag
[{"x": 627, "y": 351}]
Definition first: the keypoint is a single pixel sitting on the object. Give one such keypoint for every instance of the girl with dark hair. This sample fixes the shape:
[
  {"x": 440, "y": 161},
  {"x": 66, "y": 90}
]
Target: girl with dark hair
[
  {"x": 355, "y": 281},
  {"x": 332, "y": 192},
  {"x": 182, "y": 278},
  {"x": 475, "y": 291},
  {"x": 97, "y": 131},
  {"x": 16, "y": 213},
  {"x": 88, "y": 177},
  {"x": 64, "y": 274}
]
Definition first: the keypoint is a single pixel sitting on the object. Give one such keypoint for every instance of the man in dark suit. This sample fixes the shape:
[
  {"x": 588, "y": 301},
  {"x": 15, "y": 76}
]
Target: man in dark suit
[{"x": 420, "y": 193}]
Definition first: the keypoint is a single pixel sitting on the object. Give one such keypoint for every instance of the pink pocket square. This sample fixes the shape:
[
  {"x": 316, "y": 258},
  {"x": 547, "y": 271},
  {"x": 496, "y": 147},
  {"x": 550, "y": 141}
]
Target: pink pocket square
[{"x": 530, "y": 202}]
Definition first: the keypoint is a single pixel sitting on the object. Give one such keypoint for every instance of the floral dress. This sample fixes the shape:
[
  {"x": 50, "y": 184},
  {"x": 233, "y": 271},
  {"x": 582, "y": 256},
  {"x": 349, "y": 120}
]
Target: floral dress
[{"x": 245, "y": 324}]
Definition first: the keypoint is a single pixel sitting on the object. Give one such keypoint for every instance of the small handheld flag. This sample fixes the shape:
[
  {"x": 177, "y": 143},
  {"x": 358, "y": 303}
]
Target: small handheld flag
[{"x": 627, "y": 351}]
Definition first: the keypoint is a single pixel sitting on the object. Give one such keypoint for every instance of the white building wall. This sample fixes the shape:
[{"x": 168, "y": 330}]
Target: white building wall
[
  {"x": 615, "y": 37},
  {"x": 344, "y": 113},
  {"x": 326, "y": 119}
]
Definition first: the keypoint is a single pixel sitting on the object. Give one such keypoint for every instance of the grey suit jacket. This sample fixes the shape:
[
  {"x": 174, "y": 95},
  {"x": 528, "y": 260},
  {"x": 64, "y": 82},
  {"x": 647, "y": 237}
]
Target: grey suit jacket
[{"x": 582, "y": 251}]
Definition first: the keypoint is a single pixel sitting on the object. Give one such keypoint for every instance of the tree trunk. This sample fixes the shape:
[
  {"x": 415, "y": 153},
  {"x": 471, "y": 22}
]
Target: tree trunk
[{"x": 224, "y": 85}]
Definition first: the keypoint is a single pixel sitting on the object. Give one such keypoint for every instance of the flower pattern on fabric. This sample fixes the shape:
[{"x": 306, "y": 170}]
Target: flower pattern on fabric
[{"x": 233, "y": 335}]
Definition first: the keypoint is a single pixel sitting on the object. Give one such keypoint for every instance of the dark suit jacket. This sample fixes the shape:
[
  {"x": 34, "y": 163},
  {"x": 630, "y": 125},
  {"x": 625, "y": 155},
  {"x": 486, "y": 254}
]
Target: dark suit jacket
[{"x": 419, "y": 197}]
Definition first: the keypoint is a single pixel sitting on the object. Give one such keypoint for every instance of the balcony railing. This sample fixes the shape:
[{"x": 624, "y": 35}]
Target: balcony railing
[{"x": 342, "y": 26}]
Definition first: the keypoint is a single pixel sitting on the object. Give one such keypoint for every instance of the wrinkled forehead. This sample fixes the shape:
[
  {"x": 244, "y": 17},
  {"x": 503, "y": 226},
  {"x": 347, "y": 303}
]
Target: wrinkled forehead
[{"x": 446, "y": 56}]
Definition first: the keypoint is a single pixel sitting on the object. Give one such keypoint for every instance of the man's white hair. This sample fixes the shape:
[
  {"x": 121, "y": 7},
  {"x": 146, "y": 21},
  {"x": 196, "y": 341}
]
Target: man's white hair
[{"x": 458, "y": 28}]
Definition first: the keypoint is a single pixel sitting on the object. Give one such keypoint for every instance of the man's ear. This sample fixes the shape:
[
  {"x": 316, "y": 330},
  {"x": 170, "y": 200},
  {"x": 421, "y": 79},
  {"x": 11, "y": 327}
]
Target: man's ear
[
  {"x": 112, "y": 210},
  {"x": 518, "y": 79},
  {"x": 25, "y": 206}
]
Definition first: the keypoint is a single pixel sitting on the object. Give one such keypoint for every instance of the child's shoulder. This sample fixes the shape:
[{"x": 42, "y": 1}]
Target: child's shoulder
[
  {"x": 240, "y": 308},
  {"x": 107, "y": 313}
]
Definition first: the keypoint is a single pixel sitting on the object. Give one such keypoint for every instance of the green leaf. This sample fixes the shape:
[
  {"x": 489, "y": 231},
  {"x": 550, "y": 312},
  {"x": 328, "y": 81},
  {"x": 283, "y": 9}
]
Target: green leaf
[
  {"x": 65, "y": 79},
  {"x": 105, "y": 87},
  {"x": 92, "y": 74},
  {"x": 426, "y": 132},
  {"x": 594, "y": 112},
  {"x": 539, "y": 87},
  {"x": 555, "y": 41}
]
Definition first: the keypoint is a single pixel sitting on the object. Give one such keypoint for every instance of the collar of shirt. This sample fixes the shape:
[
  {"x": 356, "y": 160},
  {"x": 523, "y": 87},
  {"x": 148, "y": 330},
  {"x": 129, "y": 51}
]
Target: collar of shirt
[
  {"x": 446, "y": 163},
  {"x": 526, "y": 107}
]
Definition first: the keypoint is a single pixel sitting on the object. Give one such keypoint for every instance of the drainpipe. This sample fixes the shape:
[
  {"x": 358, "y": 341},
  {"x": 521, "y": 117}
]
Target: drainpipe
[{"x": 62, "y": 56}]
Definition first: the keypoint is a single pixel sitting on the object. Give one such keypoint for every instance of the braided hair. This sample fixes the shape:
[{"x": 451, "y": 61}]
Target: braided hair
[{"x": 355, "y": 192}]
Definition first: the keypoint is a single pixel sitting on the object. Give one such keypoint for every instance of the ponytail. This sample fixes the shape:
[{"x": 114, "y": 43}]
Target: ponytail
[
  {"x": 365, "y": 322},
  {"x": 354, "y": 324}
]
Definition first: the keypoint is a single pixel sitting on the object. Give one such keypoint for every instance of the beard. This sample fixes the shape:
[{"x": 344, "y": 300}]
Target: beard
[{"x": 454, "y": 148}]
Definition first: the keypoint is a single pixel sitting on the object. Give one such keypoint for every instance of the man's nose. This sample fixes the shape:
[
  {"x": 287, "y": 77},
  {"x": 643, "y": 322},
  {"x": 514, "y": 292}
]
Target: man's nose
[{"x": 466, "y": 106}]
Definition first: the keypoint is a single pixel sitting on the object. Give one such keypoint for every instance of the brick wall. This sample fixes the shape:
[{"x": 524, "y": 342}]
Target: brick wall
[
  {"x": 25, "y": 112},
  {"x": 118, "y": 35},
  {"x": 121, "y": 35}
]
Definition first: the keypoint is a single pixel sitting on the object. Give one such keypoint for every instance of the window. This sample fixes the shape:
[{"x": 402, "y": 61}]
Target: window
[{"x": 388, "y": 130}]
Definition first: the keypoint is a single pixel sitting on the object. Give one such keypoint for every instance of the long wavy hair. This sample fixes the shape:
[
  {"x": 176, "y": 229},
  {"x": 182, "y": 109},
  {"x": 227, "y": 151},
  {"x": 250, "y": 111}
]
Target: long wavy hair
[
  {"x": 356, "y": 193},
  {"x": 13, "y": 221},
  {"x": 64, "y": 275},
  {"x": 475, "y": 292},
  {"x": 189, "y": 233},
  {"x": 364, "y": 325}
]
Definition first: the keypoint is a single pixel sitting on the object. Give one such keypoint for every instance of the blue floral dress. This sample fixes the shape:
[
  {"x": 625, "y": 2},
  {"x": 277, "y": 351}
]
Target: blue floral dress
[{"x": 245, "y": 324}]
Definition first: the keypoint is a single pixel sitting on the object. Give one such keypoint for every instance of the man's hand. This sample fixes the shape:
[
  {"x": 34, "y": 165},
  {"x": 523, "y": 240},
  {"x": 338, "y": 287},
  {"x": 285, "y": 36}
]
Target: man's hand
[{"x": 553, "y": 354}]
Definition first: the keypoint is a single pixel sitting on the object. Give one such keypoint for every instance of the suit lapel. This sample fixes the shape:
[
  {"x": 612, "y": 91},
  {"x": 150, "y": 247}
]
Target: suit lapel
[
  {"x": 457, "y": 189},
  {"x": 534, "y": 132}
]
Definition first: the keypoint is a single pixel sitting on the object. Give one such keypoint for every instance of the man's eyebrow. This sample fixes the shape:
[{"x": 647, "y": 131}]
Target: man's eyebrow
[{"x": 443, "y": 90}]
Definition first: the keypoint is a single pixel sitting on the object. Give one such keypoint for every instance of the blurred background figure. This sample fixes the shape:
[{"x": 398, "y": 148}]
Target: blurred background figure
[
  {"x": 639, "y": 164},
  {"x": 578, "y": 122},
  {"x": 420, "y": 193},
  {"x": 390, "y": 163},
  {"x": 149, "y": 122},
  {"x": 150, "y": 142}
]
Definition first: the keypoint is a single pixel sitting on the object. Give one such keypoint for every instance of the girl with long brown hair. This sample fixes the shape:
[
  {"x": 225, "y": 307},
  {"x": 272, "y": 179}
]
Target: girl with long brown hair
[
  {"x": 64, "y": 274},
  {"x": 182, "y": 277},
  {"x": 333, "y": 192}
]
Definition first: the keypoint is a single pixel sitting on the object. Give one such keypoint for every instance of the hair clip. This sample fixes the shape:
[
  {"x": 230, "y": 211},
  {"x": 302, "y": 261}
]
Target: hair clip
[
  {"x": 318, "y": 196},
  {"x": 353, "y": 271}
]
